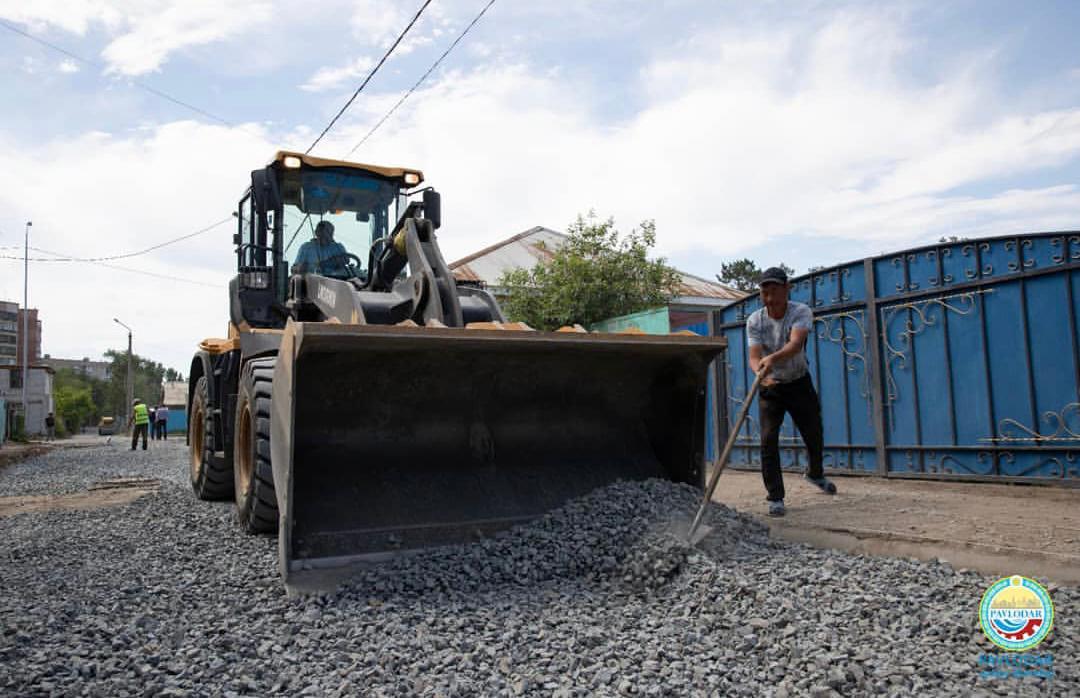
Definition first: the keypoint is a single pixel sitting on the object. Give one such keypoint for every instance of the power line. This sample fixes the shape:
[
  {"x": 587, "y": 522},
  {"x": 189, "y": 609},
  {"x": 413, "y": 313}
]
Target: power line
[
  {"x": 109, "y": 258},
  {"x": 369, "y": 76},
  {"x": 114, "y": 266},
  {"x": 142, "y": 85},
  {"x": 421, "y": 80}
]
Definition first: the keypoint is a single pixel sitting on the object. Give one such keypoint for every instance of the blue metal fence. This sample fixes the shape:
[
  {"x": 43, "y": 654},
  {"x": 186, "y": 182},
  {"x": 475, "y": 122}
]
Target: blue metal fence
[
  {"x": 177, "y": 420},
  {"x": 955, "y": 360},
  {"x": 702, "y": 328}
]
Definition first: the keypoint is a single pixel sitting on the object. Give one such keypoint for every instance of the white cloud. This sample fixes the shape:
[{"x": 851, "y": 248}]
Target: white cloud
[
  {"x": 745, "y": 137},
  {"x": 174, "y": 25},
  {"x": 99, "y": 194},
  {"x": 375, "y": 25},
  {"x": 378, "y": 21},
  {"x": 329, "y": 78},
  {"x": 144, "y": 33},
  {"x": 73, "y": 16},
  {"x": 742, "y": 138},
  {"x": 68, "y": 66}
]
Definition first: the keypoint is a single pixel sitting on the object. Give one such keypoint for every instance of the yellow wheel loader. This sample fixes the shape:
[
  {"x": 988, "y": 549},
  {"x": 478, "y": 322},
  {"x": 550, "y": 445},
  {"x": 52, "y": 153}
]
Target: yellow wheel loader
[{"x": 365, "y": 404}]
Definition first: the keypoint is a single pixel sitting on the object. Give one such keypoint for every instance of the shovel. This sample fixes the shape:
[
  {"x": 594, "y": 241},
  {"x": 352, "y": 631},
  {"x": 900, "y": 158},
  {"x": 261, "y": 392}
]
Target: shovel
[{"x": 698, "y": 532}]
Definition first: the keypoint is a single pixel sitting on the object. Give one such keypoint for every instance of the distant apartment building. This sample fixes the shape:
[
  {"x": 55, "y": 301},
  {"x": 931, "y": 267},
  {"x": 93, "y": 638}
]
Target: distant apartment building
[
  {"x": 101, "y": 370},
  {"x": 34, "y": 328},
  {"x": 9, "y": 333}
]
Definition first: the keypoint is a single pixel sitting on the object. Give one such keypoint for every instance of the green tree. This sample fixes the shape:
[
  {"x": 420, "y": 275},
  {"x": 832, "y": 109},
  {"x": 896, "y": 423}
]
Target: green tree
[
  {"x": 75, "y": 406},
  {"x": 147, "y": 378},
  {"x": 68, "y": 383},
  {"x": 597, "y": 274},
  {"x": 744, "y": 274}
]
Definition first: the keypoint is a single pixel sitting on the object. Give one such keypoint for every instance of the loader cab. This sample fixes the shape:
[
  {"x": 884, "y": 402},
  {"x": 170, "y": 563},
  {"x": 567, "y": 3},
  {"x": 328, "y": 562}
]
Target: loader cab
[{"x": 280, "y": 212}]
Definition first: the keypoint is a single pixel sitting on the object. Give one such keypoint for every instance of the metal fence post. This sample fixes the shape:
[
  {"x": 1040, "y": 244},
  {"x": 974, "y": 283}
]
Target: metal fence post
[
  {"x": 873, "y": 342},
  {"x": 719, "y": 393}
]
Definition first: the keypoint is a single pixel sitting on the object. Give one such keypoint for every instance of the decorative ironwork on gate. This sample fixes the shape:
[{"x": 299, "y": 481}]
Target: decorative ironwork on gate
[{"x": 956, "y": 360}]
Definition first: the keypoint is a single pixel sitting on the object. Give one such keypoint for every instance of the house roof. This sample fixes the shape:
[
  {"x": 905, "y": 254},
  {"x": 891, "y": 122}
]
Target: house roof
[
  {"x": 174, "y": 393},
  {"x": 537, "y": 244}
]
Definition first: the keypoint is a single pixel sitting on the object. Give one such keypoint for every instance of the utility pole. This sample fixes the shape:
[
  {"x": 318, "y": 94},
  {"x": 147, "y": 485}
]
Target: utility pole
[
  {"x": 26, "y": 329},
  {"x": 130, "y": 385}
]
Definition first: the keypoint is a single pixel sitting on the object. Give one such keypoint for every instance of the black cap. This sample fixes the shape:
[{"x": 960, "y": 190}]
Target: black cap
[{"x": 773, "y": 275}]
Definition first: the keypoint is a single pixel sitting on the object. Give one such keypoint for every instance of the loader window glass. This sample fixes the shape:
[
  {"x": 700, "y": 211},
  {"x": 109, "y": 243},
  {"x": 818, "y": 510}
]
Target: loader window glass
[{"x": 361, "y": 207}]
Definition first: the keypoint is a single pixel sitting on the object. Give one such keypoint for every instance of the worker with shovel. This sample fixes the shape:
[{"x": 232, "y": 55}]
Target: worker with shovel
[{"x": 777, "y": 336}]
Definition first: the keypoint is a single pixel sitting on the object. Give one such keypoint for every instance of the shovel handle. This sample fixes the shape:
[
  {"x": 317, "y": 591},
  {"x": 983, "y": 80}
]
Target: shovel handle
[{"x": 722, "y": 462}]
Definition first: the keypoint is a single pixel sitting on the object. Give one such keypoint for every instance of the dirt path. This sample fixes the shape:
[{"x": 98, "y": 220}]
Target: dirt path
[
  {"x": 101, "y": 494},
  {"x": 997, "y": 529}
]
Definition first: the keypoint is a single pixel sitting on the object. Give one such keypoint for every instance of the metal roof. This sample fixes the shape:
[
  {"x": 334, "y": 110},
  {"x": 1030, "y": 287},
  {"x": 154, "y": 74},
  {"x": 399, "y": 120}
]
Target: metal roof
[
  {"x": 537, "y": 244},
  {"x": 174, "y": 393}
]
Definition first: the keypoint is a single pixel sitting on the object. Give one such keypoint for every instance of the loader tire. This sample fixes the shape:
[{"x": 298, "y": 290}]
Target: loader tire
[
  {"x": 211, "y": 478},
  {"x": 256, "y": 501}
]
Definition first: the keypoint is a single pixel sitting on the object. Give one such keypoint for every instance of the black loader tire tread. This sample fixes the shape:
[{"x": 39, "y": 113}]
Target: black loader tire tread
[
  {"x": 259, "y": 511},
  {"x": 215, "y": 481}
]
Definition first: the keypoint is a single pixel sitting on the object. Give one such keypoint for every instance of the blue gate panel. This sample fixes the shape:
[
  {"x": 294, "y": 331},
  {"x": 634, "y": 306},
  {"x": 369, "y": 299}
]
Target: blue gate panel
[
  {"x": 889, "y": 278},
  {"x": 826, "y": 289},
  {"x": 1008, "y": 356},
  {"x": 177, "y": 420},
  {"x": 922, "y": 270},
  {"x": 959, "y": 264},
  {"x": 967, "y": 373},
  {"x": 702, "y": 328},
  {"x": 998, "y": 257},
  {"x": 1074, "y": 287},
  {"x": 977, "y": 369},
  {"x": 801, "y": 292},
  {"x": 854, "y": 282},
  {"x": 929, "y": 369},
  {"x": 831, "y": 374},
  {"x": 899, "y": 384},
  {"x": 1053, "y": 372}
]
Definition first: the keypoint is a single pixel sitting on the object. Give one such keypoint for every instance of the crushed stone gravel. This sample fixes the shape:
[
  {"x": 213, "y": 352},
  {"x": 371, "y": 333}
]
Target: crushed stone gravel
[{"x": 165, "y": 596}]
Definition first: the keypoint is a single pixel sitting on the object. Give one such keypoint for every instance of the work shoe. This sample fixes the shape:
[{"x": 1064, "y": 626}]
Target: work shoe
[
  {"x": 777, "y": 508},
  {"x": 823, "y": 484}
]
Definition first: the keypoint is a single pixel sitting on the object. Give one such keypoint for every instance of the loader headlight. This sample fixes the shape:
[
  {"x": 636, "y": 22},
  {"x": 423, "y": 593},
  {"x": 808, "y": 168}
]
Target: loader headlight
[
  {"x": 412, "y": 179},
  {"x": 292, "y": 162},
  {"x": 255, "y": 279}
]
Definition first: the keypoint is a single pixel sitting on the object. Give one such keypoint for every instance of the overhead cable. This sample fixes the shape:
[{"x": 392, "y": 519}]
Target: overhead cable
[
  {"x": 138, "y": 83},
  {"x": 117, "y": 267},
  {"x": 369, "y": 76},
  {"x": 126, "y": 255},
  {"x": 419, "y": 82}
]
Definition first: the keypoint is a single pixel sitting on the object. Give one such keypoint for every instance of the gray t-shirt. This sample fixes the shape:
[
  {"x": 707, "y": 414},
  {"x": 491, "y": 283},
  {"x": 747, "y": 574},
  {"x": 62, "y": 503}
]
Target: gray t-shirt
[{"x": 772, "y": 335}]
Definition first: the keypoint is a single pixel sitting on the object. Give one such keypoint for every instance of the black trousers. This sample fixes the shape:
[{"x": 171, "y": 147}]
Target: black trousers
[
  {"x": 799, "y": 399},
  {"x": 161, "y": 433},
  {"x": 139, "y": 429}
]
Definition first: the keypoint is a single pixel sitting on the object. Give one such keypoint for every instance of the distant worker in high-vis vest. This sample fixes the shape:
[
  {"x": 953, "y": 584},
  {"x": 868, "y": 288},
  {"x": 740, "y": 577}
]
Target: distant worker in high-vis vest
[{"x": 141, "y": 417}]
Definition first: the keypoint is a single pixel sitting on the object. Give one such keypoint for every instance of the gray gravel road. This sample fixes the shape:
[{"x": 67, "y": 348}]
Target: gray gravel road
[{"x": 165, "y": 596}]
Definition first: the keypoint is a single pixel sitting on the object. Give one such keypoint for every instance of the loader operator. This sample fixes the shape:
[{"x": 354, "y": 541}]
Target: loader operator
[
  {"x": 323, "y": 255},
  {"x": 777, "y": 336}
]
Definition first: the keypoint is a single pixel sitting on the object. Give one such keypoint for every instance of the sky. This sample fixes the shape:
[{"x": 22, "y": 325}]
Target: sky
[{"x": 809, "y": 133}]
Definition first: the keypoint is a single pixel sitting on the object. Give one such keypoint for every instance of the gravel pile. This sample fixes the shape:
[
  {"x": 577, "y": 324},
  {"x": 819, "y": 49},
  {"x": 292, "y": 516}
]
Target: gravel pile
[{"x": 164, "y": 596}]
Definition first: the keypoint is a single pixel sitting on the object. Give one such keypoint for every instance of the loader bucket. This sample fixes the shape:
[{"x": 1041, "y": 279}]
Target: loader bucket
[{"x": 389, "y": 439}]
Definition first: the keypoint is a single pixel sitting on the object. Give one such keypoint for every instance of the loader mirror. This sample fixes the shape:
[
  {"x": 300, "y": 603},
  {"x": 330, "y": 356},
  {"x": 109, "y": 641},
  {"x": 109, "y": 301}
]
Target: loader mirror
[
  {"x": 433, "y": 207},
  {"x": 265, "y": 190}
]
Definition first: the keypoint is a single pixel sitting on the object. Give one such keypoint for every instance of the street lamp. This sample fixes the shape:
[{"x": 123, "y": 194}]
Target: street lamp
[
  {"x": 130, "y": 386},
  {"x": 26, "y": 328}
]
